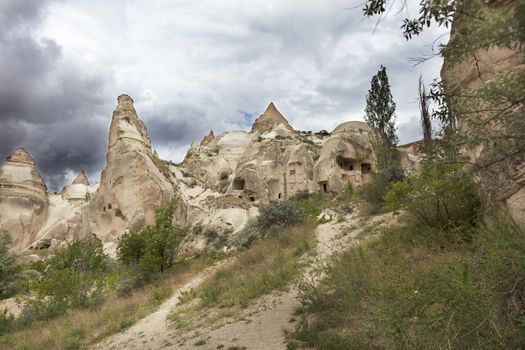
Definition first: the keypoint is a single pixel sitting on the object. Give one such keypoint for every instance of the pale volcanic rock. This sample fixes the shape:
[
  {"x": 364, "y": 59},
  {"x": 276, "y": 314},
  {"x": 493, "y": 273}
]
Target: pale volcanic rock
[
  {"x": 81, "y": 179},
  {"x": 271, "y": 119},
  {"x": 134, "y": 182},
  {"x": 214, "y": 162},
  {"x": 346, "y": 156},
  {"x": 208, "y": 138},
  {"x": 78, "y": 190},
  {"x": 503, "y": 181},
  {"x": 23, "y": 199}
]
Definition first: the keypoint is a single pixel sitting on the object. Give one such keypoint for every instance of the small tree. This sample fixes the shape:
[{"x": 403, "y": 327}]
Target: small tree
[
  {"x": 380, "y": 115},
  {"x": 8, "y": 274},
  {"x": 155, "y": 246}
]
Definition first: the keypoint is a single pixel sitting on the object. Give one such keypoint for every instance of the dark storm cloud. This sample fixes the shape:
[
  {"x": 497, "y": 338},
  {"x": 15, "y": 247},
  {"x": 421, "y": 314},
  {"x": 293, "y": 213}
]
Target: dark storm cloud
[
  {"x": 48, "y": 105},
  {"x": 176, "y": 125}
]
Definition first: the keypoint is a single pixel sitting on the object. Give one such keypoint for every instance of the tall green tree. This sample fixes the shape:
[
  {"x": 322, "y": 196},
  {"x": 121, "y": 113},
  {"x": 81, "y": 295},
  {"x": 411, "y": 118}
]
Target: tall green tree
[{"x": 380, "y": 115}]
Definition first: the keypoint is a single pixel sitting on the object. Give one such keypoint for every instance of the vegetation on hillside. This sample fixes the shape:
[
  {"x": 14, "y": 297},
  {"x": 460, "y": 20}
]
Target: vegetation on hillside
[
  {"x": 443, "y": 276},
  {"x": 270, "y": 264},
  {"x": 79, "y": 283}
]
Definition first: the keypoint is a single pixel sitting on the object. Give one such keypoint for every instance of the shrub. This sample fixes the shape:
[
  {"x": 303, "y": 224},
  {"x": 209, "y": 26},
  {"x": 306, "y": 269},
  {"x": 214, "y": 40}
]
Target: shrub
[
  {"x": 154, "y": 247},
  {"x": 11, "y": 275},
  {"x": 441, "y": 195},
  {"x": 250, "y": 233},
  {"x": 281, "y": 214},
  {"x": 72, "y": 277},
  {"x": 412, "y": 289},
  {"x": 7, "y": 321},
  {"x": 374, "y": 192}
]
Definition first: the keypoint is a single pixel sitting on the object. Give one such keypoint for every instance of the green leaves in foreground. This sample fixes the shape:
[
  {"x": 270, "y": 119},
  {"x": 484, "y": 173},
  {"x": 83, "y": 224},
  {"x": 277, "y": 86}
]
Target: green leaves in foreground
[{"x": 154, "y": 247}]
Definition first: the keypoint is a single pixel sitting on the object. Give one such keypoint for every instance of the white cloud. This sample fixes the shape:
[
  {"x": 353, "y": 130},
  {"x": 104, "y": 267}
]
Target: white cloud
[{"x": 198, "y": 65}]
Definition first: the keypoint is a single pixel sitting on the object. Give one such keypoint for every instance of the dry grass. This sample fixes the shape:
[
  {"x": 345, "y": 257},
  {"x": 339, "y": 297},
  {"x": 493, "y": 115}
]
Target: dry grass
[
  {"x": 270, "y": 265},
  {"x": 83, "y": 327}
]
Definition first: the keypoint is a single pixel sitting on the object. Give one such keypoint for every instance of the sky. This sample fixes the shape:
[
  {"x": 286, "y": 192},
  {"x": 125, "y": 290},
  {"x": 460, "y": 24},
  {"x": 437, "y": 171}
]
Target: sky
[{"x": 192, "y": 66}]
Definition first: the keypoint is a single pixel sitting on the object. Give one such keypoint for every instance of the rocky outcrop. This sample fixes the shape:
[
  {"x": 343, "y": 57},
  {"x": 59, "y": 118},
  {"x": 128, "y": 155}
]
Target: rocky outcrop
[
  {"x": 23, "y": 199},
  {"x": 78, "y": 190},
  {"x": 218, "y": 185},
  {"x": 271, "y": 162},
  {"x": 208, "y": 138},
  {"x": 81, "y": 179},
  {"x": 346, "y": 156},
  {"x": 501, "y": 177},
  {"x": 134, "y": 182},
  {"x": 270, "y": 120}
]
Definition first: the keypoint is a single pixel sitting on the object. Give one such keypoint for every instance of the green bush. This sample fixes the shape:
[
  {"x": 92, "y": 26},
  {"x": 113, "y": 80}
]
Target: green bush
[
  {"x": 7, "y": 321},
  {"x": 72, "y": 277},
  {"x": 250, "y": 233},
  {"x": 441, "y": 195},
  {"x": 12, "y": 277},
  {"x": 280, "y": 214},
  {"x": 154, "y": 247},
  {"x": 412, "y": 289},
  {"x": 373, "y": 193}
]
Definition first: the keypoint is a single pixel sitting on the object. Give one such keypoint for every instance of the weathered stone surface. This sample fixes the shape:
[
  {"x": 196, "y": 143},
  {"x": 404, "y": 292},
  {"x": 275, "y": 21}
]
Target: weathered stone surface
[
  {"x": 502, "y": 182},
  {"x": 78, "y": 190},
  {"x": 208, "y": 138},
  {"x": 23, "y": 199},
  {"x": 218, "y": 185},
  {"x": 270, "y": 120},
  {"x": 81, "y": 179},
  {"x": 346, "y": 156},
  {"x": 133, "y": 183}
]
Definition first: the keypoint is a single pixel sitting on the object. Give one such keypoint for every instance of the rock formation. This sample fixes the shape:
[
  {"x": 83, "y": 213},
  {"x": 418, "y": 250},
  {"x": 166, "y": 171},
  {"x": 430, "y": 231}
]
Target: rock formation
[
  {"x": 134, "y": 182},
  {"x": 208, "y": 138},
  {"x": 346, "y": 156},
  {"x": 81, "y": 179},
  {"x": 502, "y": 182},
  {"x": 78, "y": 190},
  {"x": 219, "y": 184},
  {"x": 23, "y": 199},
  {"x": 270, "y": 120}
]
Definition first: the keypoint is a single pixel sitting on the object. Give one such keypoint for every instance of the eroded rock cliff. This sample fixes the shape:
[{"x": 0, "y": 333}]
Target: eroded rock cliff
[{"x": 23, "y": 199}]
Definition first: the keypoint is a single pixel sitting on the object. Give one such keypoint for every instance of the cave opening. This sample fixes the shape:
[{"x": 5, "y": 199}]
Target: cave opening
[
  {"x": 366, "y": 168},
  {"x": 238, "y": 184},
  {"x": 345, "y": 163}
]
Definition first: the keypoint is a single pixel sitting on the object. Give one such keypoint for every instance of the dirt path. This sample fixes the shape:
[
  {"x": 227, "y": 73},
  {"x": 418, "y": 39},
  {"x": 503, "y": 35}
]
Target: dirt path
[{"x": 260, "y": 327}]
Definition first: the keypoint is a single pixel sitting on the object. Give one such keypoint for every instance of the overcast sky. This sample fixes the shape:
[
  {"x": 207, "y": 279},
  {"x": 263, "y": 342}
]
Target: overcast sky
[{"x": 191, "y": 66}]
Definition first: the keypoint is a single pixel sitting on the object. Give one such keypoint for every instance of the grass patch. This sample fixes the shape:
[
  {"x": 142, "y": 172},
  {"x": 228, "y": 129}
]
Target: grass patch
[
  {"x": 416, "y": 287},
  {"x": 115, "y": 315},
  {"x": 271, "y": 264}
]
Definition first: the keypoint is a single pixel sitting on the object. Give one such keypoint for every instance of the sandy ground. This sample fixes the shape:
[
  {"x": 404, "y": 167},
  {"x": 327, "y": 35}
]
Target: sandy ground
[{"x": 261, "y": 325}]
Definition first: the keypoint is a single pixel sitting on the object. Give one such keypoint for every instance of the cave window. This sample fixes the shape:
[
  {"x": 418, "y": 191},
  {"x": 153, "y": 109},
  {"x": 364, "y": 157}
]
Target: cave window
[
  {"x": 238, "y": 184},
  {"x": 292, "y": 172},
  {"x": 109, "y": 206},
  {"x": 366, "y": 168},
  {"x": 104, "y": 209},
  {"x": 279, "y": 196},
  {"x": 345, "y": 163},
  {"x": 252, "y": 199},
  {"x": 323, "y": 186}
]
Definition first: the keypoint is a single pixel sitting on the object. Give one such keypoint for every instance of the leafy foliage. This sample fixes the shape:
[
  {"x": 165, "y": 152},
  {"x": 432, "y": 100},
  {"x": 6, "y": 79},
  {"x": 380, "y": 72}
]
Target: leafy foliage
[
  {"x": 491, "y": 110},
  {"x": 8, "y": 274},
  {"x": 250, "y": 233},
  {"x": 441, "y": 195},
  {"x": 280, "y": 214},
  {"x": 380, "y": 115},
  {"x": 373, "y": 193},
  {"x": 413, "y": 289},
  {"x": 154, "y": 247},
  {"x": 72, "y": 277}
]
